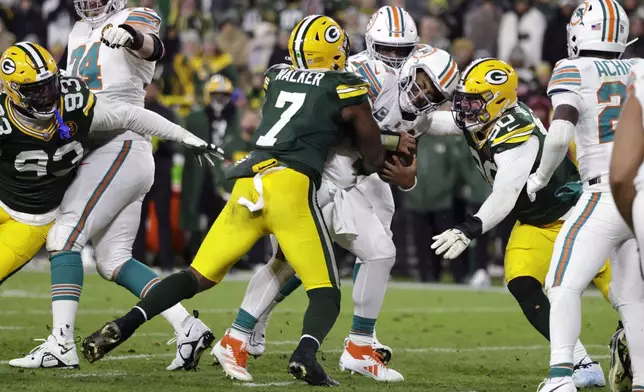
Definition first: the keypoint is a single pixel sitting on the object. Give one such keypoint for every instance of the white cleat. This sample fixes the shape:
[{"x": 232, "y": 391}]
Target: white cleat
[
  {"x": 588, "y": 374},
  {"x": 620, "y": 375},
  {"x": 233, "y": 357},
  {"x": 559, "y": 384},
  {"x": 49, "y": 355},
  {"x": 257, "y": 342},
  {"x": 364, "y": 360},
  {"x": 481, "y": 279},
  {"x": 192, "y": 340}
]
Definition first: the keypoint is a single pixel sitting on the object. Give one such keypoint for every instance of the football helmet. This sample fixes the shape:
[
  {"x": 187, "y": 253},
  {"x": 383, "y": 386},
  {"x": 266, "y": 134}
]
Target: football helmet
[
  {"x": 427, "y": 80},
  {"x": 598, "y": 25},
  {"x": 95, "y": 12},
  {"x": 391, "y": 36},
  {"x": 485, "y": 90},
  {"x": 218, "y": 90},
  {"x": 318, "y": 42},
  {"x": 30, "y": 78}
]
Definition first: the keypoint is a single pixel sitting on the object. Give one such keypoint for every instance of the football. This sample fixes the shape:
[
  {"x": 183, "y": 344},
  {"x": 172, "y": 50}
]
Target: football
[{"x": 405, "y": 159}]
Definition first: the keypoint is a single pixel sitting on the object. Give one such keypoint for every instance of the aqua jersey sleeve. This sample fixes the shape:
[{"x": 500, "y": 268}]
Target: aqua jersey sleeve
[
  {"x": 565, "y": 78},
  {"x": 144, "y": 19}
]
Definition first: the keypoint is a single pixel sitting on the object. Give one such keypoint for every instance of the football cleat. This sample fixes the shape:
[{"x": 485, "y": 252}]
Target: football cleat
[
  {"x": 384, "y": 351},
  {"x": 308, "y": 369},
  {"x": 233, "y": 357},
  {"x": 101, "y": 342},
  {"x": 193, "y": 339},
  {"x": 49, "y": 355},
  {"x": 620, "y": 375},
  {"x": 257, "y": 342},
  {"x": 588, "y": 374},
  {"x": 559, "y": 384},
  {"x": 366, "y": 361}
]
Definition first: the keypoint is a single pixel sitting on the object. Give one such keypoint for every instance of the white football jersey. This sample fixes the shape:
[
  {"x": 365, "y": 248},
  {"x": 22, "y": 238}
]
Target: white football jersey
[
  {"x": 601, "y": 84},
  {"x": 115, "y": 73},
  {"x": 636, "y": 87},
  {"x": 383, "y": 96}
]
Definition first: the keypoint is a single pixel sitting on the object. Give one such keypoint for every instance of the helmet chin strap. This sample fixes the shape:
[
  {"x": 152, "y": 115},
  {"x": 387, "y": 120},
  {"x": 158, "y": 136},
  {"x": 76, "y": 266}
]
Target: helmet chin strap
[
  {"x": 63, "y": 129},
  {"x": 629, "y": 43}
]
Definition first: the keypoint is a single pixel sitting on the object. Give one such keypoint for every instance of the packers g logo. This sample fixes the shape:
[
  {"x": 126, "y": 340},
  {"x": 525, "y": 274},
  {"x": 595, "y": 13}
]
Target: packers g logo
[
  {"x": 496, "y": 77},
  {"x": 8, "y": 67},
  {"x": 332, "y": 34}
]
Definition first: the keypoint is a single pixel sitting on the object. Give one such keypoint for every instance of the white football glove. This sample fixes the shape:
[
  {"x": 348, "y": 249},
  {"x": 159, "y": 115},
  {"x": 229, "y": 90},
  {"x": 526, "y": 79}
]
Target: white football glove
[
  {"x": 451, "y": 243},
  {"x": 203, "y": 151},
  {"x": 535, "y": 184},
  {"x": 116, "y": 37}
]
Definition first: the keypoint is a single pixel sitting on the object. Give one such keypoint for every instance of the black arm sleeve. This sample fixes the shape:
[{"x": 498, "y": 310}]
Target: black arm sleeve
[{"x": 159, "y": 50}]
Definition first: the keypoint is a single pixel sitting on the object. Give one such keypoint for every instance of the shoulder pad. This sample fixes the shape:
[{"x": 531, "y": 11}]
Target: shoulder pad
[
  {"x": 565, "y": 77},
  {"x": 144, "y": 18},
  {"x": 359, "y": 57},
  {"x": 513, "y": 128},
  {"x": 350, "y": 85},
  {"x": 76, "y": 95},
  {"x": 376, "y": 73}
]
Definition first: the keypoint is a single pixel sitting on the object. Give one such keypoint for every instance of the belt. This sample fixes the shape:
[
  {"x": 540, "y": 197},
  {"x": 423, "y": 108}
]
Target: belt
[{"x": 603, "y": 179}]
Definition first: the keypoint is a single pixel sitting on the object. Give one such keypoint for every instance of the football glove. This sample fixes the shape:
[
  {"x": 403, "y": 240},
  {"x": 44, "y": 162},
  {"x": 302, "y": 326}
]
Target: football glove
[
  {"x": 123, "y": 36},
  {"x": 535, "y": 184},
  {"x": 203, "y": 151},
  {"x": 451, "y": 243}
]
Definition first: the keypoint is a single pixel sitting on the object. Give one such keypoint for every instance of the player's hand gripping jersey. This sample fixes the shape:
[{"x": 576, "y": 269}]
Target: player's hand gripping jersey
[
  {"x": 296, "y": 130},
  {"x": 597, "y": 88},
  {"x": 116, "y": 73}
]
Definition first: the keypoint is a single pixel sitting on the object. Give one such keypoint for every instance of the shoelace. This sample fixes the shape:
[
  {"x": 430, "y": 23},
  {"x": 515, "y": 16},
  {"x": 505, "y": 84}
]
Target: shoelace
[
  {"x": 543, "y": 383},
  {"x": 586, "y": 365},
  {"x": 38, "y": 348},
  {"x": 173, "y": 340}
]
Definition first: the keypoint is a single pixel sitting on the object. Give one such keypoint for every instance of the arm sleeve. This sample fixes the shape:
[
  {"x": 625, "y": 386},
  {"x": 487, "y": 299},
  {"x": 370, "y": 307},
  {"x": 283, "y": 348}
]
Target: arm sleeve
[
  {"x": 559, "y": 136},
  {"x": 145, "y": 20},
  {"x": 440, "y": 123},
  {"x": 110, "y": 115},
  {"x": 565, "y": 78},
  {"x": 514, "y": 168}
]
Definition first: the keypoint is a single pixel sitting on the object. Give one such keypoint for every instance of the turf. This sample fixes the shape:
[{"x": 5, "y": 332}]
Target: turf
[{"x": 444, "y": 339}]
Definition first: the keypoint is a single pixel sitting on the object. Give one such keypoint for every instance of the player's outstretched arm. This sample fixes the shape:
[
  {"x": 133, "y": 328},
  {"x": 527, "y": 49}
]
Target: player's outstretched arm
[
  {"x": 139, "y": 33},
  {"x": 628, "y": 154},
  {"x": 367, "y": 136},
  {"x": 439, "y": 123},
  {"x": 514, "y": 167},
  {"x": 110, "y": 115},
  {"x": 557, "y": 141}
]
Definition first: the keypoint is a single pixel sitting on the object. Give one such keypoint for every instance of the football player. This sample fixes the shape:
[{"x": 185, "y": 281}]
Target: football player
[
  {"x": 391, "y": 37},
  {"x": 45, "y": 125},
  {"x": 587, "y": 92},
  {"x": 626, "y": 175},
  {"x": 506, "y": 141},
  {"x": 114, "y": 50},
  {"x": 399, "y": 103},
  {"x": 308, "y": 108}
]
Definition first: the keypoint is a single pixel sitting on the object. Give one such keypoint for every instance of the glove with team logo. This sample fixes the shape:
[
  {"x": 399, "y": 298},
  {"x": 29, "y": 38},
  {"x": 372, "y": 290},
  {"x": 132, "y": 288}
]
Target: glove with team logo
[
  {"x": 123, "y": 36},
  {"x": 535, "y": 184},
  {"x": 203, "y": 151},
  {"x": 451, "y": 243}
]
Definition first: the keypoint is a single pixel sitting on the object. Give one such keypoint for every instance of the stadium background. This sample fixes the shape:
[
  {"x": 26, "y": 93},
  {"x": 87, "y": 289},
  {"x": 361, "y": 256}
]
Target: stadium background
[{"x": 239, "y": 39}]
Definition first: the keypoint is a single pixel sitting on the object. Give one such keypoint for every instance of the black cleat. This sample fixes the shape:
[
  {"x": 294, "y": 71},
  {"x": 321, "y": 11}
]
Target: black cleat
[
  {"x": 101, "y": 342},
  {"x": 620, "y": 375},
  {"x": 310, "y": 371},
  {"x": 384, "y": 353}
]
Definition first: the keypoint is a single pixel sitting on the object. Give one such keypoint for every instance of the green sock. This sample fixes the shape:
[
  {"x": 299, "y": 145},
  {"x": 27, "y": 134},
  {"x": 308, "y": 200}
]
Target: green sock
[
  {"x": 323, "y": 311},
  {"x": 137, "y": 277},
  {"x": 292, "y": 284},
  {"x": 244, "y": 322},
  {"x": 561, "y": 370}
]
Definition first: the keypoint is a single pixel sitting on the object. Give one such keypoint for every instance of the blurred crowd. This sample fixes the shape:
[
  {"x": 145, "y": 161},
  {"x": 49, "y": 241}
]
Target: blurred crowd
[{"x": 211, "y": 79}]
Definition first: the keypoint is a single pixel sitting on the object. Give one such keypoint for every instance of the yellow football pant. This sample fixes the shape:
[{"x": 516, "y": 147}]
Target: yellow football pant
[
  {"x": 529, "y": 252},
  {"x": 290, "y": 212},
  {"x": 19, "y": 243}
]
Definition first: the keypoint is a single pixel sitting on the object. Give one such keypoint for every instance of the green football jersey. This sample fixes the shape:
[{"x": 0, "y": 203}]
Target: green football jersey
[
  {"x": 511, "y": 130},
  {"x": 301, "y": 119},
  {"x": 37, "y": 166}
]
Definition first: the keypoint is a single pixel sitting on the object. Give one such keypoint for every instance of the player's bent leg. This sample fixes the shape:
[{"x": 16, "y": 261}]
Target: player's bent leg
[
  {"x": 297, "y": 222},
  {"x": 19, "y": 243},
  {"x": 231, "y": 236}
]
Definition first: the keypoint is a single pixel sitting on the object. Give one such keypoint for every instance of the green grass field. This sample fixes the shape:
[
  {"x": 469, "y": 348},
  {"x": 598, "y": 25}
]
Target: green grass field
[{"x": 444, "y": 339}]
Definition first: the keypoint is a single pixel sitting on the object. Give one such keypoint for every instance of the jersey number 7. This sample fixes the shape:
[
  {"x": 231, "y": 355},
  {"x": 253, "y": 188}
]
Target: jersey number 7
[
  {"x": 607, "y": 119},
  {"x": 84, "y": 64}
]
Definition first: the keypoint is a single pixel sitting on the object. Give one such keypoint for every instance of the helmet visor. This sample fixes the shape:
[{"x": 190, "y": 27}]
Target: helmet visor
[
  {"x": 41, "y": 97},
  {"x": 393, "y": 55}
]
